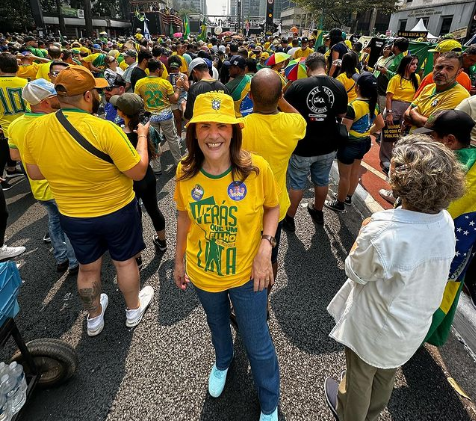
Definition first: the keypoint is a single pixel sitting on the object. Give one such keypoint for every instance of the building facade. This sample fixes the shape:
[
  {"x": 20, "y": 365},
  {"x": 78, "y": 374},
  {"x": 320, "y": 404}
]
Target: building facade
[{"x": 440, "y": 16}]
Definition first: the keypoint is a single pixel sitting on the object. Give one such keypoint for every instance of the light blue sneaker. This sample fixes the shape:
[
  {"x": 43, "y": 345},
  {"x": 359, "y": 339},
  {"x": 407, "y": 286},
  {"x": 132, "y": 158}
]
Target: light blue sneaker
[
  {"x": 270, "y": 417},
  {"x": 216, "y": 381}
]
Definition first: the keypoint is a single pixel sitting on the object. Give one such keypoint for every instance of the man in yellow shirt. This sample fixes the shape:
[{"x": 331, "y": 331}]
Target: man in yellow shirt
[
  {"x": 157, "y": 94},
  {"x": 304, "y": 51},
  {"x": 41, "y": 96},
  {"x": 44, "y": 68},
  {"x": 445, "y": 94},
  {"x": 12, "y": 106},
  {"x": 273, "y": 135},
  {"x": 90, "y": 164}
]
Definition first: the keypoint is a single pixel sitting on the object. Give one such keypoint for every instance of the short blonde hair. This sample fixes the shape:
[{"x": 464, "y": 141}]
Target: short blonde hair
[{"x": 425, "y": 174}]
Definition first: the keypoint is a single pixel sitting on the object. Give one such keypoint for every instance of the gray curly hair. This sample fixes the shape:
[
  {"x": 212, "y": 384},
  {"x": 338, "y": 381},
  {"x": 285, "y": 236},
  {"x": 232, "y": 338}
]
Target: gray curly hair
[{"x": 425, "y": 174}]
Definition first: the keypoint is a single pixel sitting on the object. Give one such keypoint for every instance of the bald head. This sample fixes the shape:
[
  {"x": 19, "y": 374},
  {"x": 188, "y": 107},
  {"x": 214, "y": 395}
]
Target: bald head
[{"x": 266, "y": 89}]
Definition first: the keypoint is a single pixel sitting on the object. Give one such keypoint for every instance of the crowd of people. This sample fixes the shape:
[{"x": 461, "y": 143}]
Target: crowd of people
[{"x": 86, "y": 121}]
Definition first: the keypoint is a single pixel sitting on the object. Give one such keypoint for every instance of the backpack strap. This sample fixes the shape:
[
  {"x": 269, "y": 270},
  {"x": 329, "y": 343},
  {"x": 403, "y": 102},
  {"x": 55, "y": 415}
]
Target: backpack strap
[{"x": 81, "y": 139}]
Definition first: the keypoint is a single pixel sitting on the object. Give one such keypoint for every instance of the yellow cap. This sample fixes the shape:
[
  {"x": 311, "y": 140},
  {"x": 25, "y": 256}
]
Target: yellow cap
[
  {"x": 213, "y": 107},
  {"x": 447, "y": 45}
]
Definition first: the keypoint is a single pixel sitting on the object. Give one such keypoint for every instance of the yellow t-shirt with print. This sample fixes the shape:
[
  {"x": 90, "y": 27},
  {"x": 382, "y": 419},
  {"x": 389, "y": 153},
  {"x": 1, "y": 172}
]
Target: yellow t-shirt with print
[
  {"x": 17, "y": 131},
  {"x": 28, "y": 71},
  {"x": 401, "y": 88},
  {"x": 359, "y": 111},
  {"x": 12, "y": 104},
  {"x": 274, "y": 137},
  {"x": 303, "y": 53},
  {"x": 429, "y": 101},
  {"x": 83, "y": 185},
  {"x": 226, "y": 223},
  {"x": 43, "y": 70},
  {"x": 155, "y": 92},
  {"x": 349, "y": 85}
]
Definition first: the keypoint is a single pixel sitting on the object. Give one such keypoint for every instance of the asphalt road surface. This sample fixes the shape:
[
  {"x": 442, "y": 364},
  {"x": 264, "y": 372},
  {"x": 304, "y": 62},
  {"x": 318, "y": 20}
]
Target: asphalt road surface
[{"x": 159, "y": 370}]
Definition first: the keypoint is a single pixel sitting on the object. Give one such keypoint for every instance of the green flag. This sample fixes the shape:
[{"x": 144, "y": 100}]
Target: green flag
[{"x": 186, "y": 27}]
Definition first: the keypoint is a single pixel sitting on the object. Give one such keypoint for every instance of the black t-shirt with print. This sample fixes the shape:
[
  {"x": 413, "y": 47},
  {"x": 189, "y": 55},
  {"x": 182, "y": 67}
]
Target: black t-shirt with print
[{"x": 319, "y": 99}]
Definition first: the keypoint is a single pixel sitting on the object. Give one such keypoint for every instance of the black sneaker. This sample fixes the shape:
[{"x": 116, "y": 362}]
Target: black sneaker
[
  {"x": 160, "y": 245},
  {"x": 316, "y": 215},
  {"x": 288, "y": 224},
  {"x": 62, "y": 267},
  {"x": 46, "y": 238},
  {"x": 6, "y": 186},
  {"x": 15, "y": 173},
  {"x": 335, "y": 205},
  {"x": 347, "y": 201},
  {"x": 73, "y": 271},
  {"x": 331, "y": 388}
]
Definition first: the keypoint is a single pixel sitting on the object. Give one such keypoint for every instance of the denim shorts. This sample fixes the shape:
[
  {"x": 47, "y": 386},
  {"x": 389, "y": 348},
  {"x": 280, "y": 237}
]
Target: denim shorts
[
  {"x": 300, "y": 166},
  {"x": 119, "y": 232},
  {"x": 353, "y": 150}
]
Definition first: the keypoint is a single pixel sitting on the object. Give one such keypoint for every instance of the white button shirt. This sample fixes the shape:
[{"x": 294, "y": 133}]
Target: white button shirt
[{"x": 397, "y": 270}]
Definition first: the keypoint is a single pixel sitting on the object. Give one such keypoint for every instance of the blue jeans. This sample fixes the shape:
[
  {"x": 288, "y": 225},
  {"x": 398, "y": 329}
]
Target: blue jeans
[
  {"x": 250, "y": 309},
  {"x": 62, "y": 249}
]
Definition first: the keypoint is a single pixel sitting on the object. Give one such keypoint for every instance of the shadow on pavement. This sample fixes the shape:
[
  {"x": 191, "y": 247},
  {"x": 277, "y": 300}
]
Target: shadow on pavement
[
  {"x": 300, "y": 307},
  {"x": 426, "y": 388}
]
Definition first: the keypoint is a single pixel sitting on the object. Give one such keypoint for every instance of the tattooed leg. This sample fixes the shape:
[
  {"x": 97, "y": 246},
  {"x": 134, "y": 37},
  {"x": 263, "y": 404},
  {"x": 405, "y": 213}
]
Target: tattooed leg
[{"x": 89, "y": 287}]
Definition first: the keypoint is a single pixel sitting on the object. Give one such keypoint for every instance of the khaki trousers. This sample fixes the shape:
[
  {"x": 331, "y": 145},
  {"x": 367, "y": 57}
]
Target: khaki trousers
[
  {"x": 170, "y": 134},
  {"x": 364, "y": 391}
]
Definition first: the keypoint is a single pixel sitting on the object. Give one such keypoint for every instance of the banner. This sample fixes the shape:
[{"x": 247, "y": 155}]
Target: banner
[{"x": 412, "y": 34}]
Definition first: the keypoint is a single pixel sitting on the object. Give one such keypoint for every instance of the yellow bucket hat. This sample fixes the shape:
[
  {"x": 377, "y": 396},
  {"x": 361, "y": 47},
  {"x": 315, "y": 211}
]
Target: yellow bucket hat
[{"x": 214, "y": 107}]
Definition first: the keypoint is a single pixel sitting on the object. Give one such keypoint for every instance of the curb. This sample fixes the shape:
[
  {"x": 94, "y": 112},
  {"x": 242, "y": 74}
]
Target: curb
[{"x": 465, "y": 318}]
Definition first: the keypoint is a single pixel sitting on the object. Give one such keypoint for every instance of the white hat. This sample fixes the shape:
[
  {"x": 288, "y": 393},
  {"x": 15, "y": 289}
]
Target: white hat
[
  {"x": 36, "y": 91},
  {"x": 194, "y": 63}
]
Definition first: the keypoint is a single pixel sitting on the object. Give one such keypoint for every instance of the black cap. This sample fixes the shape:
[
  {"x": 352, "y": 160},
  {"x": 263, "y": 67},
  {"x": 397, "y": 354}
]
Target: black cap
[
  {"x": 445, "y": 122},
  {"x": 367, "y": 80},
  {"x": 236, "y": 61},
  {"x": 304, "y": 39}
]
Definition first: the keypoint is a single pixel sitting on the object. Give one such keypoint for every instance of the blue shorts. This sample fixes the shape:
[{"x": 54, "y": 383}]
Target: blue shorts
[
  {"x": 300, "y": 166},
  {"x": 354, "y": 149},
  {"x": 274, "y": 253},
  {"x": 119, "y": 232}
]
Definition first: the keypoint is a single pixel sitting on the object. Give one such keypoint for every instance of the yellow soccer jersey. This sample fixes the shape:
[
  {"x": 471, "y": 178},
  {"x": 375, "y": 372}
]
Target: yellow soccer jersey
[
  {"x": 155, "y": 92},
  {"x": 28, "y": 71},
  {"x": 12, "y": 105},
  {"x": 226, "y": 222},
  {"x": 401, "y": 88},
  {"x": 17, "y": 130},
  {"x": 43, "y": 70},
  {"x": 83, "y": 185},
  {"x": 274, "y": 137},
  {"x": 349, "y": 85},
  {"x": 429, "y": 101},
  {"x": 184, "y": 66},
  {"x": 303, "y": 53}
]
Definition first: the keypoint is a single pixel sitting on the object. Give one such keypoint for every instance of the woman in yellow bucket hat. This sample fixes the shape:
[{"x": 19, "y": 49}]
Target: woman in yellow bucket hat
[{"x": 228, "y": 212}]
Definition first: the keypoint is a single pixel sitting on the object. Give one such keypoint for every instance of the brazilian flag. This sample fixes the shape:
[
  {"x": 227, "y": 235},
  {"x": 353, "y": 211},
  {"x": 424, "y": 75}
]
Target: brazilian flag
[
  {"x": 186, "y": 27},
  {"x": 463, "y": 212},
  {"x": 203, "y": 33}
]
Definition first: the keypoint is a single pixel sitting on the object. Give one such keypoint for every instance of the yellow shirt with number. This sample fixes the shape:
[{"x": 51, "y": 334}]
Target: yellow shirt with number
[
  {"x": 12, "y": 105},
  {"x": 83, "y": 185},
  {"x": 28, "y": 71},
  {"x": 226, "y": 222},
  {"x": 155, "y": 92},
  {"x": 274, "y": 137},
  {"x": 17, "y": 131},
  {"x": 429, "y": 101},
  {"x": 401, "y": 88}
]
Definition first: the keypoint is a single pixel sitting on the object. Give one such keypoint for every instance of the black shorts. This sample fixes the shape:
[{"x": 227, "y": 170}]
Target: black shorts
[
  {"x": 119, "y": 232},
  {"x": 352, "y": 150}
]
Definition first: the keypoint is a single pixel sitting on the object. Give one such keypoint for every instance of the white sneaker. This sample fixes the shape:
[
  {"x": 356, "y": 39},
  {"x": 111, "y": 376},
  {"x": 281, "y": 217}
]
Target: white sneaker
[
  {"x": 96, "y": 324},
  {"x": 133, "y": 317},
  {"x": 10, "y": 252},
  {"x": 387, "y": 195}
]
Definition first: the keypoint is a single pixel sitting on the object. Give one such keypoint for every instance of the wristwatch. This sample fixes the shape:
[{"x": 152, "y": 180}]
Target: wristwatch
[{"x": 271, "y": 240}]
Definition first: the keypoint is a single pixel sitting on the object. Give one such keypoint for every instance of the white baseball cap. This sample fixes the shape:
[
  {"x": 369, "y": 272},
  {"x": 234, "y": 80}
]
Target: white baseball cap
[{"x": 37, "y": 90}]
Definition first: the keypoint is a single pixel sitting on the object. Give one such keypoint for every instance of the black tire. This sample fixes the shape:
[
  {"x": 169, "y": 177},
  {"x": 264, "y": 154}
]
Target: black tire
[{"x": 55, "y": 359}]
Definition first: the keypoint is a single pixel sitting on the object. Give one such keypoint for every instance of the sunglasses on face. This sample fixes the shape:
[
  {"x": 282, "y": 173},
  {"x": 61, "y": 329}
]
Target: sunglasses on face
[
  {"x": 110, "y": 88},
  {"x": 99, "y": 90},
  {"x": 55, "y": 73}
]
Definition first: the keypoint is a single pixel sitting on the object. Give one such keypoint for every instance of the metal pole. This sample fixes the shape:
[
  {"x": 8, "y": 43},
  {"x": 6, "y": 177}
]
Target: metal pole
[{"x": 239, "y": 16}]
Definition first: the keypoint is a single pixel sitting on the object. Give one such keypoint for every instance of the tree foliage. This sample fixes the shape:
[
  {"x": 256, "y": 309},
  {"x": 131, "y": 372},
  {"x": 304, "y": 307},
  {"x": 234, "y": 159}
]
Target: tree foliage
[
  {"x": 15, "y": 15},
  {"x": 343, "y": 12}
]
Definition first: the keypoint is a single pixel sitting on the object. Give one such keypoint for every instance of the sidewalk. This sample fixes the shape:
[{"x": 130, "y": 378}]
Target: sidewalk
[{"x": 368, "y": 201}]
